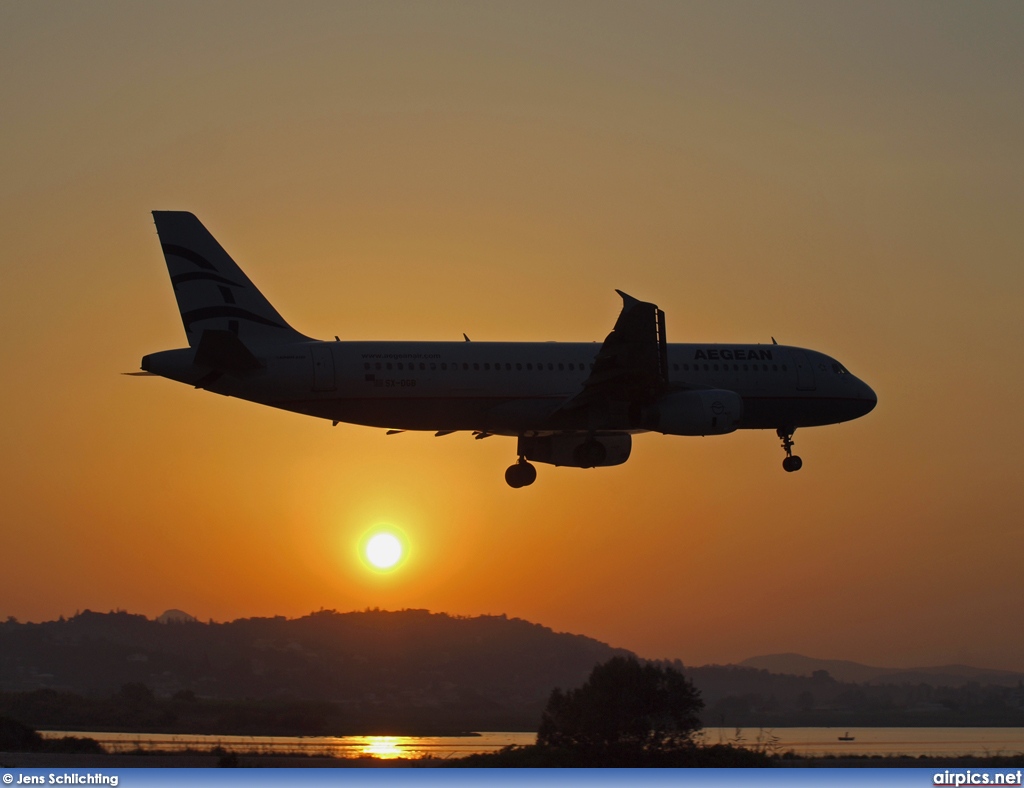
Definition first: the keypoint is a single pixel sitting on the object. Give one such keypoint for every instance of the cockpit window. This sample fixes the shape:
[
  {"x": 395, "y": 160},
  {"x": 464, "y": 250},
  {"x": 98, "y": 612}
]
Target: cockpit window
[{"x": 839, "y": 369}]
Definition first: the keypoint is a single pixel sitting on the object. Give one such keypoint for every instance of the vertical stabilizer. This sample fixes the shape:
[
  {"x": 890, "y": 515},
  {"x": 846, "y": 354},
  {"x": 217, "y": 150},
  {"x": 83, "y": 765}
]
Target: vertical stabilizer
[{"x": 212, "y": 291}]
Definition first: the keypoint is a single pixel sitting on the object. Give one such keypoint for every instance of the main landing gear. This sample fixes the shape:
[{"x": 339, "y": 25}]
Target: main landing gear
[
  {"x": 522, "y": 474},
  {"x": 792, "y": 462}
]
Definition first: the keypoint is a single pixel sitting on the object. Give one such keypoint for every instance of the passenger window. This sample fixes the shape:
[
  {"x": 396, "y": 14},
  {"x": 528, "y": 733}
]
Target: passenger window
[
  {"x": 529, "y": 367},
  {"x": 433, "y": 366},
  {"x": 764, "y": 367},
  {"x": 422, "y": 366},
  {"x": 675, "y": 367},
  {"x": 746, "y": 368},
  {"x": 735, "y": 367},
  {"x": 487, "y": 367},
  {"x": 775, "y": 367},
  {"x": 389, "y": 365},
  {"x": 476, "y": 367},
  {"x": 519, "y": 367},
  {"x": 570, "y": 367},
  {"x": 377, "y": 365},
  {"x": 706, "y": 367},
  {"x": 783, "y": 367},
  {"x": 716, "y": 367},
  {"x": 561, "y": 367},
  {"x": 508, "y": 367},
  {"x": 399, "y": 364},
  {"x": 444, "y": 367},
  {"x": 366, "y": 365},
  {"x": 465, "y": 366},
  {"x": 551, "y": 367}
]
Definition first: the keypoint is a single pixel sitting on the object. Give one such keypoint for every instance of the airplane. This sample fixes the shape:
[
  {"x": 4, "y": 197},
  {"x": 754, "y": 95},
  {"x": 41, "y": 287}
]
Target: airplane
[{"x": 567, "y": 404}]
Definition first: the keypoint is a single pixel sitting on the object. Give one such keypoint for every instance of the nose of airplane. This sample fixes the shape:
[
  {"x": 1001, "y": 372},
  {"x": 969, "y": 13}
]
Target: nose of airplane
[{"x": 868, "y": 397}]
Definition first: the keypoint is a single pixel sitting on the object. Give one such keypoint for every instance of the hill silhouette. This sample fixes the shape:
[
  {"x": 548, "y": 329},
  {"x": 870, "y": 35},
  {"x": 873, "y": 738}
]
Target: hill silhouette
[{"x": 487, "y": 672}]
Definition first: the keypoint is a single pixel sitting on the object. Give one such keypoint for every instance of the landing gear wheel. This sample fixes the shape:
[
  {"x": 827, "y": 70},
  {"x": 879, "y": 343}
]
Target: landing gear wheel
[
  {"x": 792, "y": 463},
  {"x": 512, "y": 477},
  {"x": 522, "y": 474}
]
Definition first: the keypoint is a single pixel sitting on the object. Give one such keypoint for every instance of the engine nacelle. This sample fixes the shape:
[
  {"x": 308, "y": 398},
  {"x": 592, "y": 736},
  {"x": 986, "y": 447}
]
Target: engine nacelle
[
  {"x": 577, "y": 451},
  {"x": 698, "y": 412}
]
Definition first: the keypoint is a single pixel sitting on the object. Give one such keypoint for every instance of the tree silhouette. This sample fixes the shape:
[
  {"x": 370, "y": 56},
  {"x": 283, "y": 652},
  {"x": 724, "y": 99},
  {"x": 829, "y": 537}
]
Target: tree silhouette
[
  {"x": 136, "y": 693},
  {"x": 624, "y": 706}
]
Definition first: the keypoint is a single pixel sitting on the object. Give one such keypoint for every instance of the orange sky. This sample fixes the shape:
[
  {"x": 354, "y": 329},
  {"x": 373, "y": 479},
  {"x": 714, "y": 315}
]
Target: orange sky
[{"x": 843, "y": 177}]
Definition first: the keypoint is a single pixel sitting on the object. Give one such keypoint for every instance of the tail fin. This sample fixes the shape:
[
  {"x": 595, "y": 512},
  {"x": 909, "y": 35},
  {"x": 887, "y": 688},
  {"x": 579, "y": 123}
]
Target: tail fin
[{"x": 211, "y": 290}]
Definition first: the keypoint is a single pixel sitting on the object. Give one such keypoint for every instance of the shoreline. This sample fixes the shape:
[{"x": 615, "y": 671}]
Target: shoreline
[{"x": 214, "y": 759}]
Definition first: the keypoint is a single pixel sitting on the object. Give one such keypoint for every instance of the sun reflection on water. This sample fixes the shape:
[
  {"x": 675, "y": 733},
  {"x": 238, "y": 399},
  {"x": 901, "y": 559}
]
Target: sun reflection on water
[{"x": 388, "y": 747}]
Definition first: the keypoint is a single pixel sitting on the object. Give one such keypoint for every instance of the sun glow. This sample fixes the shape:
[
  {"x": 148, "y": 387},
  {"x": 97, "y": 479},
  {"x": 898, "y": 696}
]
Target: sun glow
[{"x": 383, "y": 549}]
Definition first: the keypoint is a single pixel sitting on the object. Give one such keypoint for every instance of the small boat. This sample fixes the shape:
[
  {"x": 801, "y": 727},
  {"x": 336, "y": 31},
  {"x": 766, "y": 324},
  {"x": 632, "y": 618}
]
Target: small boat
[{"x": 846, "y": 737}]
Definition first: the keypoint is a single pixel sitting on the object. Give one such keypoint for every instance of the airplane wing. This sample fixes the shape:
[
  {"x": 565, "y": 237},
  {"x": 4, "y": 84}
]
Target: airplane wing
[{"x": 632, "y": 364}]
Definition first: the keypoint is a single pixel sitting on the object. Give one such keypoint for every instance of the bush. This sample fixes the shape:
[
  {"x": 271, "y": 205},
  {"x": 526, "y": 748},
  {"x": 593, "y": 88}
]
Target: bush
[
  {"x": 15, "y": 737},
  {"x": 624, "y": 707}
]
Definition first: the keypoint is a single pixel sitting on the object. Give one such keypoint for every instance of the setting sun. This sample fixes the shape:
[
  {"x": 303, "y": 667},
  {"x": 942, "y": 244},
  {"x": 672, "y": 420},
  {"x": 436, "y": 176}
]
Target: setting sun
[{"x": 383, "y": 549}]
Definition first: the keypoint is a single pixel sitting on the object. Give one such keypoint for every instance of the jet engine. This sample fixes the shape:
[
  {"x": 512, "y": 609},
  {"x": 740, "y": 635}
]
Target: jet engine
[
  {"x": 698, "y": 412},
  {"x": 577, "y": 451}
]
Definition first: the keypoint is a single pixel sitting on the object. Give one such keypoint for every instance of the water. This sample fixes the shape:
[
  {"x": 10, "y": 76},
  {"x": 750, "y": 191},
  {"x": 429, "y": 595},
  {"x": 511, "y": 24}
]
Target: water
[
  {"x": 803, "y": 741},
  {"x": 386, "y": 747},
  {"x": 876, "y": 741}
]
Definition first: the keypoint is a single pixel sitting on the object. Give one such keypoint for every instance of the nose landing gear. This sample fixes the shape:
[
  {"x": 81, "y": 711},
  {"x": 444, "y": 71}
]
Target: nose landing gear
[
  {"x": 522, "y": 474},
  {"x": 792, "y": 462}
]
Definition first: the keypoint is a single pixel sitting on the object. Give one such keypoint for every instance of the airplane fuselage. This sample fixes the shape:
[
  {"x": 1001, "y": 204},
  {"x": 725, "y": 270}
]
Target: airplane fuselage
[{"x": 511, "y": 388}]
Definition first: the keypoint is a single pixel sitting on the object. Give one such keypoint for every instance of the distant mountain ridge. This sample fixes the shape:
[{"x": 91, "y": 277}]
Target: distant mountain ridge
[
  {"x": 175, "y": 616},
  {"x": 855, "y": 672}
]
